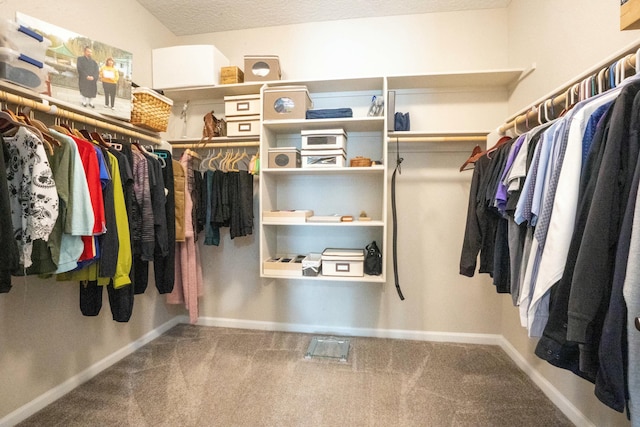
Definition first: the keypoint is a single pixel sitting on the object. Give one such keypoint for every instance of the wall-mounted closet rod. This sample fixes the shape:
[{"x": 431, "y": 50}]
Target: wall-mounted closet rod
[
  {"x": 215, "y": 144},
  {"x": 73, "y": 117},
  {"x": 473, "y": 138},
  {"x": 555, "y": 102}
]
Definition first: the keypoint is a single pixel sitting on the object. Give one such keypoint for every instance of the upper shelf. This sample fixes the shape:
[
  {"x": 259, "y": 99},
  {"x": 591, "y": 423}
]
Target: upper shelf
[
  {"x": 491, "y": 78},
  {"x": 351, "y": 124}
]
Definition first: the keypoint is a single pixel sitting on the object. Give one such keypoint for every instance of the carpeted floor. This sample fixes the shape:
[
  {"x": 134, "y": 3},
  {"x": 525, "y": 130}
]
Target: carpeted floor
[{"x": 205, "y": 376}]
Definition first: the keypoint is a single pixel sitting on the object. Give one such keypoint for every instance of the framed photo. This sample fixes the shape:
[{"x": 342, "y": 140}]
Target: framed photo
[{"x": 88, "y": 73}]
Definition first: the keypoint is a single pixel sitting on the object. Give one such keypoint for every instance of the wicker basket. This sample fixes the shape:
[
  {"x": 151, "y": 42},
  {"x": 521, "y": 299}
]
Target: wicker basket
[
  {"x": 150, "y": 109},
  {"x": 360, "y": 161}
]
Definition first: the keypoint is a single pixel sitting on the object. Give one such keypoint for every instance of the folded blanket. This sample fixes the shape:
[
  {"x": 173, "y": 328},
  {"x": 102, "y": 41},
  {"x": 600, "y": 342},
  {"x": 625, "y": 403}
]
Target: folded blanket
[{"x": 329, "y": 113}]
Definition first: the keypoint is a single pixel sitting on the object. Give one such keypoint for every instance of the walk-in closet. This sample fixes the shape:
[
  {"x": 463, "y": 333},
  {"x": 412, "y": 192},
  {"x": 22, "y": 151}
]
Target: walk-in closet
[{"x": 407, "y": 214}]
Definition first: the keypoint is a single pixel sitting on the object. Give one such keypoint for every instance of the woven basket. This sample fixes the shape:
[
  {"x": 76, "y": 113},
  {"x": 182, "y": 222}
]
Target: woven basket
[
  {"x": 360, "y": 161},
  {"x": 150, "y": 110}
]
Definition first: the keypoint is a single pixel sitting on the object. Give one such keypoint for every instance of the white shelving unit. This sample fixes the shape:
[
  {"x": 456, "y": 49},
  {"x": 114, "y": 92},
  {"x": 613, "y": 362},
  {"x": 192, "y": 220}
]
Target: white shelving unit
[
  {"x": 444, "y": 107},
  {"x": 326, "y": 191}
]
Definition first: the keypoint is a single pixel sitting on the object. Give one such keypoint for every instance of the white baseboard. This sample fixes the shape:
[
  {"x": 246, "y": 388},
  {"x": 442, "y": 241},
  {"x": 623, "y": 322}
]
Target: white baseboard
[
  {"x": 57, "y": 392},
  {"x": 569, "y": 410},
  {"x": 453, "y": 337},
  {"x": 548, "y": 389}
]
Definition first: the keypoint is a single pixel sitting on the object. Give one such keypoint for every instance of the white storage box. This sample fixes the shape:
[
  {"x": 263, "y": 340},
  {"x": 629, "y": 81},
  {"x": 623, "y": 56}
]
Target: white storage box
[
  {"x": 286, "y": 265},
  {"x": 324, "y": 158},
  {"x": 343, "y": 262},
  {"x": 24, "y": 71},
  {"x": 22, "y": 39},
  {"x": 187, "y": 66},
  {"x": 242, "y": 105},
  {"x": 287, "y": 217},
  {"x": 284, "y": 157},
  {"x": 243, "y": 125},
  {"x": 286, "y": 103},
  {"x": 312, "y": 265},
  {"x": 324, "y": 139}
]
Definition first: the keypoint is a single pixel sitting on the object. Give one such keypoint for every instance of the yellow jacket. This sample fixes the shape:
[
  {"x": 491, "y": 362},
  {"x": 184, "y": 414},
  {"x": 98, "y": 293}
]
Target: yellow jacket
[{"x": 109, "y": 74}]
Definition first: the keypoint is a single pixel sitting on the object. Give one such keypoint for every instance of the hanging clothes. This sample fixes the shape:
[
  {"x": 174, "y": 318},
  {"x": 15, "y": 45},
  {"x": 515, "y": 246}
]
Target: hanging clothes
[
  {"x": 32, "y": 190},
  {"x": 188, "y": 280},
  {"x": 10, "y": 257}
]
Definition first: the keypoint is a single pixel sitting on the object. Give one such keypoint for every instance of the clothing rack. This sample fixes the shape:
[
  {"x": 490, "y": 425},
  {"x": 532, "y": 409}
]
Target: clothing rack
[
  {"x": 15, "y": 96},
  {"x": 445, "y": 137},
  {"x": 209, "y": 144},
  {"x": 549, "y": 107}
]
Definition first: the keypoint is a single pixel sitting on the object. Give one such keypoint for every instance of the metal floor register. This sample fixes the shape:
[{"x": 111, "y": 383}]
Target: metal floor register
[{"x": 329, "y": 348}]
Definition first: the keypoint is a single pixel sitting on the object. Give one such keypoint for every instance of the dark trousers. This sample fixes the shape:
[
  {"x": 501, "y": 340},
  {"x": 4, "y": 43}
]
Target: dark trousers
[{"x": 109, "y": 93}]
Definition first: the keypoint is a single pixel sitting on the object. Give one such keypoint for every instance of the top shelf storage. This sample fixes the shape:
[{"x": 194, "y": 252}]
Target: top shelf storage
[{"x": 492, "y": 78}]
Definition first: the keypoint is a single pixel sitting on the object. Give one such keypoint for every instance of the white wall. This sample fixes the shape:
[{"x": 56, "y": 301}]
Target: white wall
[
  {"x": 432, "y": 195},
  {"x": 44, "y": 339},
  {"x": 564, "y": 38}
]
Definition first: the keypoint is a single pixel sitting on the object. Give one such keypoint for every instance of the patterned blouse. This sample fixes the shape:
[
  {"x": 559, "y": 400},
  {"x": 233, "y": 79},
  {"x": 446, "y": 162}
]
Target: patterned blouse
[{"x": 32, "y": 191}]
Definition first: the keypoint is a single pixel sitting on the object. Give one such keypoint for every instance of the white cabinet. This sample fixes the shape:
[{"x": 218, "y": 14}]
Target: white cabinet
[{"x": 327, "y": 190}]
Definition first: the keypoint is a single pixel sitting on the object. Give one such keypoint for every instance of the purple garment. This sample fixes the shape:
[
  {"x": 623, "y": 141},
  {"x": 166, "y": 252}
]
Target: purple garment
[{"x": 501, "y": 192}]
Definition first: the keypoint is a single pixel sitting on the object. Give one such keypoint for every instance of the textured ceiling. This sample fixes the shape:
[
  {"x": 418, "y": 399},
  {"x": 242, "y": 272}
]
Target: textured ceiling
[{"x": 186, "y": 17}]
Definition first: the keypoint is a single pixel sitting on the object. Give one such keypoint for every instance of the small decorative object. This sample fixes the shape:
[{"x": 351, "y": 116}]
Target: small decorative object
[
  {"x": 360, "y": 161},
  {"x": 377, "y": 107},
  {"x": 364, "y": 217}
]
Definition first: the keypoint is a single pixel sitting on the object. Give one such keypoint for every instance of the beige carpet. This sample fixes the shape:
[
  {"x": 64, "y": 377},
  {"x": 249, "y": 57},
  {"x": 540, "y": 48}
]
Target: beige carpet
[{"x": 204, "y": 376}]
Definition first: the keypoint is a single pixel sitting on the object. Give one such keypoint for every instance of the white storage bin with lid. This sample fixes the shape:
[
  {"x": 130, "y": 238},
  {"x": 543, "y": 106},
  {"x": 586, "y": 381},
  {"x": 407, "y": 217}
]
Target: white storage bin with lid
[
  {"x": 242, "y": 105},
  {"x": 187, "y": 66},
  {"x": 324, "y": 139},
  {"x": 324, "y": 158},
  {"x": 23, "y": 40},
  {"x": 343, "y": 262},
  {"x": 23, "y": 70},
  {"x": 243, "y": 125}
]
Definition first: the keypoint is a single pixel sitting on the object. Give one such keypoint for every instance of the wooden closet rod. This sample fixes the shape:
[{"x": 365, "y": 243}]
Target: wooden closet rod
[
  {"x": 561, "y": 98},
  {"x": 74, "y": 117},
  {"x": 472, "y": 138},
  {"x": 214, "y": 144}
]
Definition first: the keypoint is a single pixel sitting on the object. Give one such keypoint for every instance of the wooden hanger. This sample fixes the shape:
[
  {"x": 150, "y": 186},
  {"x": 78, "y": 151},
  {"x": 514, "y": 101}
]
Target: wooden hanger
[
  {"x": 9, "y": 117},
  {"x": 472, "y": 158}
]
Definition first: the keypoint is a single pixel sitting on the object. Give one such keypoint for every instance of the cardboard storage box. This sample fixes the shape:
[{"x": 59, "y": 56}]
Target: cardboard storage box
[
  {"x": 312, "y": 265},
  {"x": 286, "y": 103},
  {"x": 324, "y": 158},
  {"x": 286, "y": 265},
  {"x": 287, "y": 216},
  {"x": 324, "y": 139},
  {"x": 23, "y": 40},
  {"x": 343, "y": 262},
  {"x": 284, "y": 157},
  {"x": 231, "y": 75},
  {"x": 242, "y": 105},
  {"x": 187, "y": 66},
  {"x": 243, "y": 125},
  {"x": 260, "y": 68}
]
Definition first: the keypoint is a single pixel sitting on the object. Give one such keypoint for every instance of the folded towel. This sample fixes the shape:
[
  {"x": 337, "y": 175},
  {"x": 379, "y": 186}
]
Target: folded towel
[{"x": 329, "y": 113}]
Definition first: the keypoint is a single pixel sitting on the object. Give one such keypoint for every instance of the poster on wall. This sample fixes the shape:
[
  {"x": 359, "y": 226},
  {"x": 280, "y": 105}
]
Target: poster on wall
[{"x": 87, "y": 73}]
